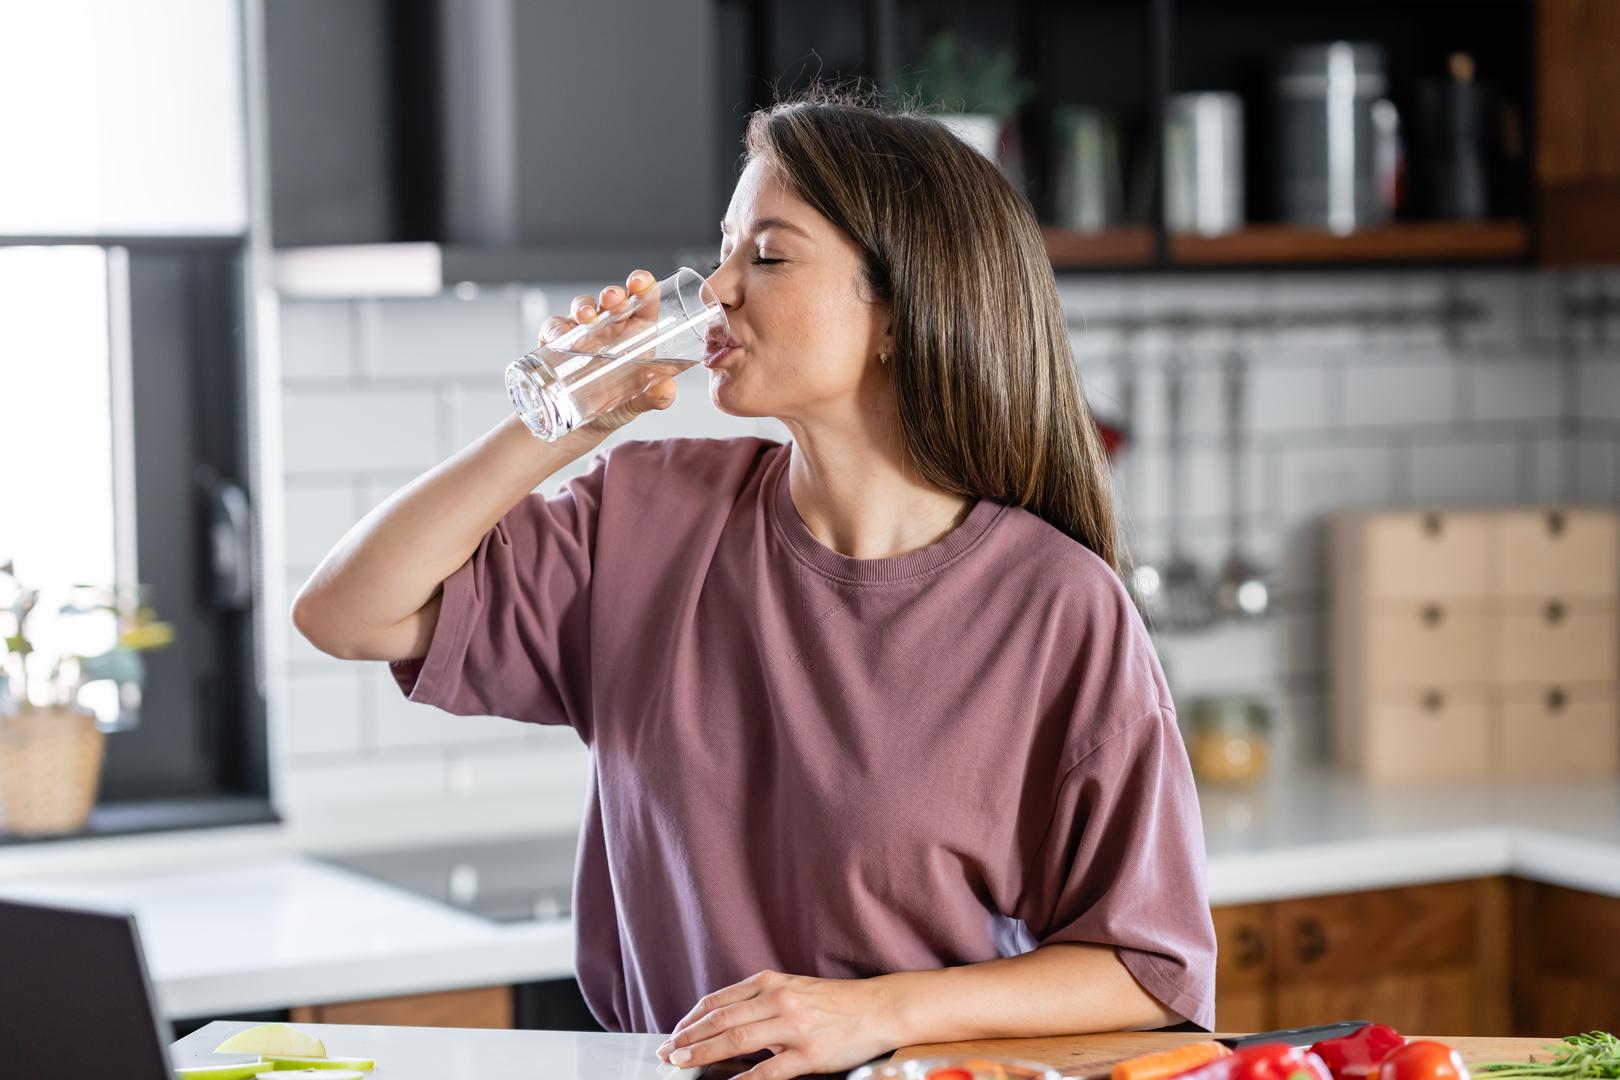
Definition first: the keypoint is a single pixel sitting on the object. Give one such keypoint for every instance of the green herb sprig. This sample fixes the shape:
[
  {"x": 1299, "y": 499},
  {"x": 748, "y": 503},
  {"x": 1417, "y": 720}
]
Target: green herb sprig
[{"x": 1592, "y": 1055}]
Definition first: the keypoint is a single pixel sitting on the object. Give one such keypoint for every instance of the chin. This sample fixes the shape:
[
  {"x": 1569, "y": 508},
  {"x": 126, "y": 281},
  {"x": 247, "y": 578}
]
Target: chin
[{"x": 729, "y": 398}]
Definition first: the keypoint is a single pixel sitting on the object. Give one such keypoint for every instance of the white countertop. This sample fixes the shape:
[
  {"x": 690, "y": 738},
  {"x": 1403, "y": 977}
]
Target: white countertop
[
  {"x": 266, "y": 927},
  {"x": 419, "y": 1053}
]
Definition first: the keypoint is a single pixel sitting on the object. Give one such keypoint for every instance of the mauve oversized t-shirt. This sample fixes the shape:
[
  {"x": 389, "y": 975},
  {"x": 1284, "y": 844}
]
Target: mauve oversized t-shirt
[{"x": 822, "y": 765}]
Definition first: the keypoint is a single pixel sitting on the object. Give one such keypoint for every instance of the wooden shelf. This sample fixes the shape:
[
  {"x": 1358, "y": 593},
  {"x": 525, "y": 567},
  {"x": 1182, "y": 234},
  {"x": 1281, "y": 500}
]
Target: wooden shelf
[
  {"x": 1126, "y": 245},
  {"x": 1415, "y": 241}
]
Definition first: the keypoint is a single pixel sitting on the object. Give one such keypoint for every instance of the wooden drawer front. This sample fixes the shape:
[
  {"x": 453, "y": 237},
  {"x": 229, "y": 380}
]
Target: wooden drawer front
[
  {"x": 1558, "y": 552},
  {"x": 1370, "y": 934},
  {"x": 1428, "y": 733},
  {"x": 1427, "y": 643},
  {"x": 1243, "y": 940},
  {"x": 1556, "y": 642},
  {"x": 1419, "y": 556},
  {"x": 1560, "y": 732},
  {"x": 483, "y": 1007}
]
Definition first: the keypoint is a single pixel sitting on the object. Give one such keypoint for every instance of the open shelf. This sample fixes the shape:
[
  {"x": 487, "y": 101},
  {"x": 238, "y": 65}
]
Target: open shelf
[
  {"x": 1125, "y": 245},
  {"x": 1406, "y": 241}
]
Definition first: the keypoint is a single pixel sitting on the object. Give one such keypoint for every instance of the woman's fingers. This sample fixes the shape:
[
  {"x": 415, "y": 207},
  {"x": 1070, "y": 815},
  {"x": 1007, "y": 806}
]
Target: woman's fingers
[
  {"x": 584, "y": 308},
  {"x": 555, "y": 327}
]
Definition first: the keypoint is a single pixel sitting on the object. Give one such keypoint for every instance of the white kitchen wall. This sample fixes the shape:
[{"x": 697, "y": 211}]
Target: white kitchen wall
[{"x": 1523, "y": 404}]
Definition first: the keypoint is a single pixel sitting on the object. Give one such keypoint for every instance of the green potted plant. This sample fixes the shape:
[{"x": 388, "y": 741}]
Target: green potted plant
[
  {"x": 977, "y": 93},
  {"x": 51, "y": 744}
]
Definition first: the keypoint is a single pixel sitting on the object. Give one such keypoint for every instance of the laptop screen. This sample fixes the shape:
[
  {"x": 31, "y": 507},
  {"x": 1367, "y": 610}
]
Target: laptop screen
[{"x": 74, "y": 996}]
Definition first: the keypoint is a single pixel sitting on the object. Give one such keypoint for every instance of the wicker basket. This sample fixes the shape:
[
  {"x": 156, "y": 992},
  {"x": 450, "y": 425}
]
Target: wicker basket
[{"x": 50, "y": 770}]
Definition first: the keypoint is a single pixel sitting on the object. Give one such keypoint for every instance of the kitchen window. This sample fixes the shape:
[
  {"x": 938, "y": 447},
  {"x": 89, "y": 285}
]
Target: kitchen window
[{"x": 125, "y": 398}]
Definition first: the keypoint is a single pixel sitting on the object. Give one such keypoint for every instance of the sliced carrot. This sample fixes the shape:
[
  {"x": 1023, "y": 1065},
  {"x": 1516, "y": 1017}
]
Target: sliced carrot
[{"x": 1168, "y": 1063}]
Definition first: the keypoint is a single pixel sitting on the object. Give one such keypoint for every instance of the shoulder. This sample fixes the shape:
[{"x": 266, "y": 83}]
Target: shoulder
[
  {"x": 684, "y": 476},
  {"x": 688, "y": 461},
  {"x": 1095, "y": 630},
  {"x": 1056, "y": 567}
]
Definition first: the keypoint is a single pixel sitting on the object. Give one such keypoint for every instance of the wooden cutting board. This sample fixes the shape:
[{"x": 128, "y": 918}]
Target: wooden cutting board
[{"x": 1094, "y": 1055}]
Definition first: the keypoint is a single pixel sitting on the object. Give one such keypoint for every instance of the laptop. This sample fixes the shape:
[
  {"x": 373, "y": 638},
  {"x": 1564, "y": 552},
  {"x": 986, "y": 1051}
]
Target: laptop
[{"x": 75, "y": 999}]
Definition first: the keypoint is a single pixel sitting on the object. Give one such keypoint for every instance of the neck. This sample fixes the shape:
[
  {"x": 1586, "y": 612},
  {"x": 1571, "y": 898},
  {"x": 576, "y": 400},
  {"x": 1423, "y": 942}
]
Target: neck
[{"x": 861, "y": 497}]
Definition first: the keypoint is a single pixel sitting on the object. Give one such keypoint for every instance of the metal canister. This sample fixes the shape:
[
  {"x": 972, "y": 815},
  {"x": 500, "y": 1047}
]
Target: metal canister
[{"x": 1338, "y": 133}]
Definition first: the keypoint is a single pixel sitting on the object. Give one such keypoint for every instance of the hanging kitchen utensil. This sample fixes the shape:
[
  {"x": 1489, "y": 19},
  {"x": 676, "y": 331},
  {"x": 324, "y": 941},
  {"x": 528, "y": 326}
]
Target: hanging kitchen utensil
[
  {"x": 1185, "y": 595},
  {"x": 1242, "y": 589},
  {"x": 1145, "y": 576}
]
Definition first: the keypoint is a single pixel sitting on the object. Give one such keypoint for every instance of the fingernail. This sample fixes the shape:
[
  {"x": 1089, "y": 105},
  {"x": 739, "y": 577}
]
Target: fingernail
[
  {"x": 680, "y": 1056},
  {"x": 612, "y": 293},
  {"x": 587, "y": 311}
]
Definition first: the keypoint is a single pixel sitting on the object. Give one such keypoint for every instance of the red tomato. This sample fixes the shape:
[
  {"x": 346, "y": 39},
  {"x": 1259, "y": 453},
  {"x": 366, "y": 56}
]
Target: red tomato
[
  {"x": 1423, "y": 1060},
  {"x": 950, "y": 1073}
]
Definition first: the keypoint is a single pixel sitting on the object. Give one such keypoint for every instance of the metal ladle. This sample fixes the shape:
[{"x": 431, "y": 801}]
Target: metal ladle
[{"x": 1242, "y": 589}]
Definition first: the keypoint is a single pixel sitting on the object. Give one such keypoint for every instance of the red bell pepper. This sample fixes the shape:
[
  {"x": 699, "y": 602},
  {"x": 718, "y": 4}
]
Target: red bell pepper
[
  {"x": 1356, "y": 1056},
  {"x": 1270, "y": 1061}
]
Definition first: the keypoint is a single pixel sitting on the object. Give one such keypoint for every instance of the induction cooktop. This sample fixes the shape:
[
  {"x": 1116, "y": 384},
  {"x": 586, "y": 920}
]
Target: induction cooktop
[{"x": 515, "y": 880}]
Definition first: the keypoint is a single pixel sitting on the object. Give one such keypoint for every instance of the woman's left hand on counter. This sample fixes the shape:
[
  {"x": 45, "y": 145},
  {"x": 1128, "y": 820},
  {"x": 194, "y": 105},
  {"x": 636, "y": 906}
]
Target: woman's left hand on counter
[{"x": 810, "y": 1025}]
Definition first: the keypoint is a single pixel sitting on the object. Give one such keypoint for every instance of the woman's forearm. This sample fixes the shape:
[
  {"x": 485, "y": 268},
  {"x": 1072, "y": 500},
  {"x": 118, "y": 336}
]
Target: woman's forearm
[
  {"x": 389, "y": 565},
  {"x": 1060, "y": 989}
]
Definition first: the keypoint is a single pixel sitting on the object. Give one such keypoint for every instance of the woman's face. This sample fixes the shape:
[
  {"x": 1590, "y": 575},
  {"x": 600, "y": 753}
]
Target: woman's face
[{"x": 789, "y": 281}]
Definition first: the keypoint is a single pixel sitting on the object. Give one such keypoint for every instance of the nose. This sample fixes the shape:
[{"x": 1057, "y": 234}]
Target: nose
[{"x": 724, "y": 283}]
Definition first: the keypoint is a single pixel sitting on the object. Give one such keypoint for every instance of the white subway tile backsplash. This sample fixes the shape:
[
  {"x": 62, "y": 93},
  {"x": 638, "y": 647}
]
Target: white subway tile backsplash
[
  {"x": 449, "y": 337},
  {"x": 1465, "y": 471},
  {"x": 1411, "y": 392},
  {"x": 353, "y": 431},
  {"x": 1515, "y": 389},
  {"x": 324, "y": 713},
  {"x": 1597, "y": 468},
  {"x": 1287, "y": 398},
  {"x": 317, "y": 340},
  {"x": 316, "y": 516},
  {"x": 1598, "y": 380},
  {"x": 1314, "y": 480},
  {"x": 319, "y": 786},
  {"x": 400, "y": 722},
  {"x": 483, "y": 771}
]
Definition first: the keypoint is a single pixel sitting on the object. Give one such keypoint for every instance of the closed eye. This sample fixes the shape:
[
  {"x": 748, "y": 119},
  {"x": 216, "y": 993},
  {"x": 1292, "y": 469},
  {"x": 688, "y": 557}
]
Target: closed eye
[{"x": 756, "y": 262}]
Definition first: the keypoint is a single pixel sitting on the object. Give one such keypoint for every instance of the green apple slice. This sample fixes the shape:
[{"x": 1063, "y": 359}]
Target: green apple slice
[
  {"x": 219, "y": 1072},
  {"x": 272, "y": 1039},
  {"x": 291, "y": 1061},
  {"x": 312, "y": 1074}
]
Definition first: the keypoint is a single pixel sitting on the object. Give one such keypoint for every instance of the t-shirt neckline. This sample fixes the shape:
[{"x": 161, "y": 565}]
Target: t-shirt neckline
[{"x": 894, "y": 568}]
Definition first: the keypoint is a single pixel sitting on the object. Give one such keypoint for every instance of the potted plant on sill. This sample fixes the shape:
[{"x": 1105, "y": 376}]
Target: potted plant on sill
[
  {"x": 978, "y": 96},
  {"x": 52, "y": 745}
]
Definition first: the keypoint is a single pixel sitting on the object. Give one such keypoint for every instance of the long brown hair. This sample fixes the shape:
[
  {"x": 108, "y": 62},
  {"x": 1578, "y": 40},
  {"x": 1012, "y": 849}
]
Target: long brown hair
[{"x": 989, "y": 400}]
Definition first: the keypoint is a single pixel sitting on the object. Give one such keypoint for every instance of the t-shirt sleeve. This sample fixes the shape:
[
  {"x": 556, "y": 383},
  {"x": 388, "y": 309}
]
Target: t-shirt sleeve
[
  {"x": 513, "y": 636},
  {"x": 1122, "y": 864}
]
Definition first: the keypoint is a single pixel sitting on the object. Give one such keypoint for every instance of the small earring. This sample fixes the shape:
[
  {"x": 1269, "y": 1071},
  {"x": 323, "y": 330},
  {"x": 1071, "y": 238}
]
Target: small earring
[{"x": 883, "y": 358}]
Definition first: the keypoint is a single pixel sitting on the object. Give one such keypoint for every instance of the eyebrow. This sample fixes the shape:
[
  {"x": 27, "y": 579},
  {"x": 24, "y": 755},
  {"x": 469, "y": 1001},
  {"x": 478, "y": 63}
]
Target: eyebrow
[{"x": 761, "y": 224}]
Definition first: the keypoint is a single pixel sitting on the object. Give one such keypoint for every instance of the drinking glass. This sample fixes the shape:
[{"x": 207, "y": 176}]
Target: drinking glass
[{"x": 566, "y": 383}]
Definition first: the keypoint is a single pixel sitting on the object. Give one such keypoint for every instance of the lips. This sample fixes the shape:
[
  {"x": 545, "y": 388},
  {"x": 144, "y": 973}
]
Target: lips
[{"x": 718, "y": 344}]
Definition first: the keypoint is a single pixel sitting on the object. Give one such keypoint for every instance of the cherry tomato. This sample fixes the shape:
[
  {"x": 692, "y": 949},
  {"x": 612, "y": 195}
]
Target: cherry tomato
[{"x": 1423, "y": 1060}]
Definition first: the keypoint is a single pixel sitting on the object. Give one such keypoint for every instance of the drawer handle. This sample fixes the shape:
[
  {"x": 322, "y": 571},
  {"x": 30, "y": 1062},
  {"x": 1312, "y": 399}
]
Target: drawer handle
[
  {"x": 1556, "y": 699},
  {"x": 1433, "y": 701},
  {"x": 1433, "y": 524},
  {"x": 1433, "y": 614},
  {"x": 1251, "y": 947},
  {"x": 1310, "y": 941},
  {"x": 1555, "y": 611},
  {"x": 1556, "y": 522}
]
